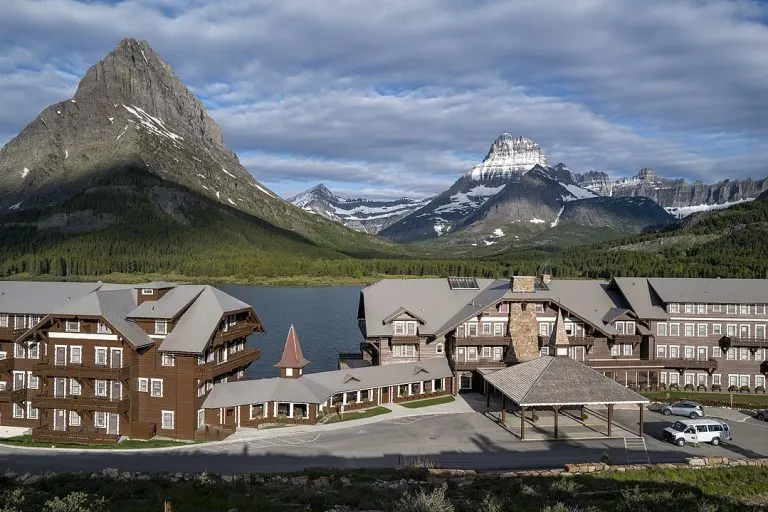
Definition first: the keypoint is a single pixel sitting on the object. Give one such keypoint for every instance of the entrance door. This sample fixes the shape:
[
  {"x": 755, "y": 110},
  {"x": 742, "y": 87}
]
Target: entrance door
[
  {"x": 461, "y": 354},
  {"x": 59, "y": 419},
  {"x": 117, "y": 358},
  {"x": 18, "y": 380},
  {"x": 60, "y": 355},
  {"x": 230, "y": 417},
  {"x": 59, "y": 387},
  {"x": 113, "y": 423}
]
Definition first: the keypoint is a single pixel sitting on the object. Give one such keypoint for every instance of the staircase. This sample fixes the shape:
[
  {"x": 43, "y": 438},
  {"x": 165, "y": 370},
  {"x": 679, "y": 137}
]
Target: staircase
[{"x": 637, "y": 452}]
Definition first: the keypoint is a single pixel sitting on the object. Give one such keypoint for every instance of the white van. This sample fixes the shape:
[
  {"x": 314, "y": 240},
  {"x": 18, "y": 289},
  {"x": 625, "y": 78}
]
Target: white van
[{"x": 697, "y": 431}]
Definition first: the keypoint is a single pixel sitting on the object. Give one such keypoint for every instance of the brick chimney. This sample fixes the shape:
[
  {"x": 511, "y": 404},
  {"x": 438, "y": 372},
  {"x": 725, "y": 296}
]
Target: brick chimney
[
  {"x": 558, "y": 341},
  {"x": 522, "y": 284}
]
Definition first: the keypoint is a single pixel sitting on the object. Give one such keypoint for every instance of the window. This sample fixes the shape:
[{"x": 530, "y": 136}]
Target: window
[
  {"x": 231, "y": 320},
  {"x": 75, "y": 388},
  {"x": 503, "y": 307},
  {"x": 744, "y": 354},
  {"x": 168, "y": 359},
  {"x": 410, "y": 328},
  {"x": 487, "y": 328},
  {"x": 100, "y": 388},
  {"x": 701, "y": 330},
  {"x": 498, "y": 329},
  {"x": 404, "y": 350},
  {"x": 103, "y": 328},
  {"x": 161, "y": 327},
  {"x": 3, "y": 320},
  {"x": 615, "y": 349},
  {"x": 701, "y": 309},
  {"x": 156, "y": 387},
  {"x": 472, "y": 353},
  {"x": 759, "y": 309},
  {"x": 33, "y": 381},
  {"x": 18, "y": 411},
  {"x": 716, "y": 379},
  {"x": 731, "y": 354},
  {"x": 569, "y": 328},
  {"x": 743, "y": 380},
  {"x": 257, "y": 411},
  {"x": 147, "y": 291},
  {"x": 544, "y": 351},
  {"x": 101, "y": 356},
  {"x": 76, "y": 354},
  {"x": 74, "y": 419},
  {"x": 689, "y": 378},
  {"x": 18, "y": 351},
  {"x": 661, "y": 351},
  {"x": 717, "y": 308},
  {"x": 673, "y": 307},
  {"x": 100, "y": 419},
  {"x": 716, "y": 351},
  {"x": 689, "y": 309},
  {"x": 200, "y": 418},
  {"x": 72, "y": 326},
  {"x": 717, "y": 329},
  {"x": 32, "y": 412},
  {"x": 731, "y": 309},
  {"x": 743, "y": 309},
  {"x": 399, "y": 328},
  {"x": 539, "y": 307},
  {"x": 620, "y": 327},
  {"x": 166, "y": 421},
  {"x": 760, "y": 332},
  {"x": 661, "y": 329},
  {"x": 19, "y": 322},
  {"x": 689, "y": 329},
  {"x": 759, "y": 380},
  {"x": 674, "y": 329},
  {"x": 33, "y": 352},
  {"x": 690, "y": 352},
  {"x": 472, "y": 329},
  {"x": 626, "y": 349},
  {"x": 487, "y": 352},
  {"x": 439, "y": 349},
  {"x": 543, "y": 329},
  {"x": 662, "y": 377},
  {"x": 744, "y": 331},
  {"x": 730, "y": 330},
  {"x": 674, "y": 351}
]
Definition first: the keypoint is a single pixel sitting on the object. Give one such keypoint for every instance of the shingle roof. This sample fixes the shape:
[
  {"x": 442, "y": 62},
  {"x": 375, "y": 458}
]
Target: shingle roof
[
  {"x": 319, "y": 387},
  {"x": 40, "y": 298},
  {"x": 637, "y": 292},
  {"x": 197, "y": 325},
  {"x": 613, "y": 314},
  {"x": 717, "y": 291},
  {"x": 170, "y": 305},
  {"x": 292, "y": 355},
  {"x": 155, "y": 285},
  {"x": 549, "y": 380}
]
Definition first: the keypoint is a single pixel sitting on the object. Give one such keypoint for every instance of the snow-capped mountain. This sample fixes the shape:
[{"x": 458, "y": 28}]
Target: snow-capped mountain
[
  {"x": 676, "y": 195},
  {"x": 359, "y": 214},
  {"x": 509, "y": 187}
]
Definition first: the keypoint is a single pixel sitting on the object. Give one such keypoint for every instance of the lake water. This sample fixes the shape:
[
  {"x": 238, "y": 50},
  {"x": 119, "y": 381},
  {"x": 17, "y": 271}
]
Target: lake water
[{"x": 325, "y": 319}]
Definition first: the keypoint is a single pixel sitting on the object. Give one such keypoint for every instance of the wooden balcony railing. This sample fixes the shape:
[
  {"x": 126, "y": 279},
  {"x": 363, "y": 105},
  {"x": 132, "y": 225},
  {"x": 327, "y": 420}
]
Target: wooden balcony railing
[
  {"x": 239, "y": 330},
  {"x": 676, "y": 363},
  {"x": 482, "y": 341},
  {"x": 6, "y": 364},
  {"x": 583, "y": 341},
  {"x": 480, "y": 363},
  {"x": 680, "y": 363},
  {"x": 80, "y": 403},
  {"x": 234, "y": 361},
  {"x": 405, "y": 340},
  {"x": 73, "y": 435},
  {"x": 732, "y": 341},
  {"x": 89, "y": 371},
  {"x": 628, "y": 338},
  {"x": 16, "y": 396}
]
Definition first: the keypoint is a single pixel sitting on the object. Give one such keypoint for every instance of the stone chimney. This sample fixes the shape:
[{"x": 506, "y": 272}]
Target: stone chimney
[
  {"x": 292, "y": 363},
  {"x": 558, "y": 340},
  {"x": 522, "y": 284},
  {"x": 523, "y": 332}
]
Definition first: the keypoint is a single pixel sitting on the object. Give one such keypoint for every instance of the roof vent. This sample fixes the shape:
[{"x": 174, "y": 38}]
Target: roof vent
[{"x": 348, "y": 378}]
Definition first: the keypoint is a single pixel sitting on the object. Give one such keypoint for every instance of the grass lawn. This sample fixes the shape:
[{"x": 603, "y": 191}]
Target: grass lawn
[
  {"x": 744, "y": 400},
  {"x": 681, "y": 490},
  {"x": 354, "y": 415},
  {"x": 429, "y": 401},
  {"x": 125, "y": 445}
]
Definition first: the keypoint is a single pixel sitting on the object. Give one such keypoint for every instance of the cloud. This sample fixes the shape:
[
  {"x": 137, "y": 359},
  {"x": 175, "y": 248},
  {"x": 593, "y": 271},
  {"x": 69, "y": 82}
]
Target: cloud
[{"x": 408, "y": 95}]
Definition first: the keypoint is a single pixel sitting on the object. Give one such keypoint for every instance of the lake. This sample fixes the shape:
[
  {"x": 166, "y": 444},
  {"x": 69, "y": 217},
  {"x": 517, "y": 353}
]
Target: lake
[{"x": 325, "y": 319}]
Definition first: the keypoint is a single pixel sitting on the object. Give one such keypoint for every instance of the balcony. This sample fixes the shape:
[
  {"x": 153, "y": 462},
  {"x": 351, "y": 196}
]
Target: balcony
[
  {"x": 483, "y": 341},
  {"x": 674, "y": 363},
  {"x": 6, "y": 364},
  {"x": 239, "y": 330},
  {"x": 73, "y": 435},
  {"x": 480, "y": 363},
  {"x": 88, "y": 371},
  {"x": 576, "y": 341},
  {"x": 234, "y": 361},
  {"x": 628, "y": 338},
  {"x": 79, "y": 403},
  {"x": 727, "y": 342},
  {"x": 681, "y": 364},
  {"x": 16, "y": 396},
  {"x": 405, "y": 340},
  {"x": 11, "y": 333}
]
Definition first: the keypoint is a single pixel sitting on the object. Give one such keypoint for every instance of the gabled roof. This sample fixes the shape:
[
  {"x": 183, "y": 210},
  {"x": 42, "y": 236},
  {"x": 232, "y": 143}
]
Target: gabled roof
[
  {"x": 549, "y": 381},
  {"x": 319, "y": 387},
  {"x": 170, "y": 305},
  {"x": 38, "y": 297},
  {"x": 491, "y": 294},
  {"x": 615, "y": 313},
  {"x": 113, "y": 306},
  {"x": 292, "y": 355},
  {"x": 637, "y": 292},
  {"x": 717, "y": 291},
  {"x": 195, "y": 328},
  {"x": 399, "y": 311}
]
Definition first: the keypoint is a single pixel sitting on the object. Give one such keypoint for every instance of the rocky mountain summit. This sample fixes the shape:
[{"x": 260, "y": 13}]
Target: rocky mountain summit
[
  {"x": 509, "y": 155},
  {"x": 360, "y": 214},
  {"x": 132, "y": 112}
]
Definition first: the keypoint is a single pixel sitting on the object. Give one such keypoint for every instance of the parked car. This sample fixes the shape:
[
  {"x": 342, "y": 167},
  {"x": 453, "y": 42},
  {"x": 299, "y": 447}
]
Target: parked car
[
  {"x": 683, "y": 408},
  {"x": 762, "y": 414},
  {"x": 697, "y": 431}
]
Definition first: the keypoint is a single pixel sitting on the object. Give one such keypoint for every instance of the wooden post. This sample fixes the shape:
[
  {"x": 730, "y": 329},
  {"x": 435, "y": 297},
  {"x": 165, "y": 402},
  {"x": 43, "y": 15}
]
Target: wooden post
[
  {"x": 503, "y": 409},
  {"x": 557, "y": 413},
  {"x": 522, "y": 422},
  {"x": 487, "y": 394},
  {"x": 167, "y": 505},
  {"x": 610, "y": 419},
  {"x": 640, "y": 429}
]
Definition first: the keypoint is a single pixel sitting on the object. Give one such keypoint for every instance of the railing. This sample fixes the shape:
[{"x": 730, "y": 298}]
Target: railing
[
  {"x": 405, "y": 340},
  {"x": 6, "y": 364},
  {"x": 482, "y": 341},
  {"x": 143, "y": 430},
  {"x": 628, "y": 338},
  {"x": 238, "y": 359},
  {"x": 680, "y": 363},
  {"x": 676, "y": 363},
  {"x": 16, "y": 396},
  {"x": 73, "y": 435},
  {"x": 744, "y": 342},
  {"x": 82, "y": 370},
  {"x": 212, "y": 433},
  {"x": 350, "y": 356},
  {"x": 79, "y": 403},
  {"x": 480, "y": 363},
  {"x": 239, "y": 330},
  {"x": 582, "y": 341}
]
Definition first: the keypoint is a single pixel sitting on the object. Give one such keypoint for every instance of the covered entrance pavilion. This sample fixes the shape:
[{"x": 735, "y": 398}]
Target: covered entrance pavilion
[{"x": 560, "y": 385}]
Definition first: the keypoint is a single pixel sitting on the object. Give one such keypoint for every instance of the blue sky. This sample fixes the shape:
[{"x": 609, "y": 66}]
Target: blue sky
[{"x": 401, "y": 97}]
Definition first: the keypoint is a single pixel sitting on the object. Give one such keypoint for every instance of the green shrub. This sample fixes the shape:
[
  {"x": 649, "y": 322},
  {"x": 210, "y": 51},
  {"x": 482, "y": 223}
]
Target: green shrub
[
  {"x": 564, "y": 485},
  {"x": 422, "y": 501},
  {"x": 491, "y": 503},
  {"x": 74, "y": 502},
  {"x": 744, "y": 389}
]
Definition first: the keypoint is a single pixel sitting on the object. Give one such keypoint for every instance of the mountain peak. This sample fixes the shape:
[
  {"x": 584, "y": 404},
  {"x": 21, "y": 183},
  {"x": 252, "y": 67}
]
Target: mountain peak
[{"x": 509, "y": 155}]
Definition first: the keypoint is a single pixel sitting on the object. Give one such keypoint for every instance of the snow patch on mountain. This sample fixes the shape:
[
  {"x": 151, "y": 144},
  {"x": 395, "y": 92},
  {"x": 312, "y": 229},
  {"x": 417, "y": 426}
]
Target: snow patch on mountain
[
  {"x": 498, "y": 233},
  {"x": 509, "y": 155},
  {"x": 270, "y": 194},
  {"x": 24, "y": 173},
  {"x": 537, "y": 221},
  {"x": 472, "y": 199},
  {"x": 576, "y": 192},
  {"x": 228, "y": 173},
  {"x": 684, "y": 211},
  {"x": 557, "y": 219},
  {"x": 153, "y": 124}
]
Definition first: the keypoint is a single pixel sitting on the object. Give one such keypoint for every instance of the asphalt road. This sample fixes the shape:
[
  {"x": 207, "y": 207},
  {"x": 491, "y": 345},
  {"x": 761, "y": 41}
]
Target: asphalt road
[{"x": 458, "y": 440}]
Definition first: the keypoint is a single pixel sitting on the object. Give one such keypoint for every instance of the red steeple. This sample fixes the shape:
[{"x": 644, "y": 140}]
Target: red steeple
[{"x": 293, "y": 360}]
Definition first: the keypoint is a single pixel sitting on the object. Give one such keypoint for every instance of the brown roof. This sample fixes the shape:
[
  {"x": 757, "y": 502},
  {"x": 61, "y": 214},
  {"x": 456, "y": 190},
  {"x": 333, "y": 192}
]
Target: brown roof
[{"x": 292, "y": 356}]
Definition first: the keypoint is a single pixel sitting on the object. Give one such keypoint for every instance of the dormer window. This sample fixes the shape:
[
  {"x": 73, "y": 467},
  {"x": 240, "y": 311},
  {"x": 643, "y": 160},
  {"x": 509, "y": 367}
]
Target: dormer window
[
  {"x": 3, "y": 320},
  {"x": 629, "y": 328},
  {"x": 399, "y": 328},
  {"x": 147, "y": 291},
  {"x": 620, "y": 327},
  {"x": 72, "y": 326},
  {"x": 539, "y": 307},
  {"x": 161, "y": 327},
  {"x": 410, "y": 328},
  {"x": 103, "y": 328}
]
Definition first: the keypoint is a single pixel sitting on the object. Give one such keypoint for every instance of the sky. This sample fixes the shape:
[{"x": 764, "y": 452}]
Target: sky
[{"x": 400, "y": 97}]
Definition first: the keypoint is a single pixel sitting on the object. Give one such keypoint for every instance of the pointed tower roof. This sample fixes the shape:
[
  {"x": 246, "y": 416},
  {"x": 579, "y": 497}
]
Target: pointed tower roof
[
  {"x": 292, "y": 355},
  {"x": 558, "y": 338}
]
